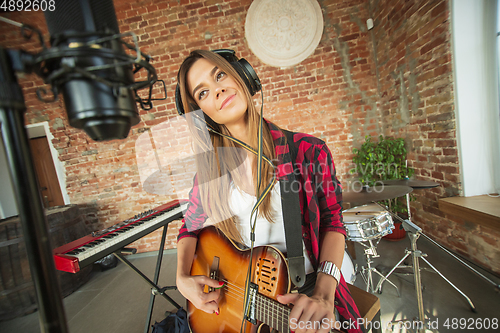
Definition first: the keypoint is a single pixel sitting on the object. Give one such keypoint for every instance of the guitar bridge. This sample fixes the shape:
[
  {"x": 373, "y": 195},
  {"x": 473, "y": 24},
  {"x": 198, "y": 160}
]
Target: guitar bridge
[
  {"x": 250, "y": 311},
  {"x": 214, "y": 271}
]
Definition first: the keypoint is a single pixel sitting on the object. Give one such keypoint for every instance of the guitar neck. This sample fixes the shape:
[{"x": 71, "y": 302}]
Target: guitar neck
[
  {"x": 272, "y": 313},
  {"x": 276, "y": 315}
]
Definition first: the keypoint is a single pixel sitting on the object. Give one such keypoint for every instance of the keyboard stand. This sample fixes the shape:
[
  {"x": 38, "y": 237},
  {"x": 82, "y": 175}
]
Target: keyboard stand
[{"x": 155, "y": 290}]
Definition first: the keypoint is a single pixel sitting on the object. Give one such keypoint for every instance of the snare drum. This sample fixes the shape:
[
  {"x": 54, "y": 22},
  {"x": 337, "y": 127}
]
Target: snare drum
[
  {"x": 367, "y": 222},
  {"x": 348, "y": 270}
]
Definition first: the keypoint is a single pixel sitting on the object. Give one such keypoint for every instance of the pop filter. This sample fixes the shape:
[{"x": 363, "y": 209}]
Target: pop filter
[{"x": 88, "y": 65}]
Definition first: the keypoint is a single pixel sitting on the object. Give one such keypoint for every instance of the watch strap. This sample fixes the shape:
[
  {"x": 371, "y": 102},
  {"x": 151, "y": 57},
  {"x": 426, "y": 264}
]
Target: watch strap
[{"x": 329, "y": 268}]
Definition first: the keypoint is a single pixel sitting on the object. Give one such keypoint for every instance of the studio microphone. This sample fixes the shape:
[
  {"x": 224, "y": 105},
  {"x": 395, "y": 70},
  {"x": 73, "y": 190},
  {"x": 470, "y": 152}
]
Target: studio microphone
[{"x": 88, "y": 64}]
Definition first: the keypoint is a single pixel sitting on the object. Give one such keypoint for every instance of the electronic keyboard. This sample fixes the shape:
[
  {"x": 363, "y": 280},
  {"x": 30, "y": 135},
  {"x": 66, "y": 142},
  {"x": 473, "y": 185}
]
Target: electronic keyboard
[{"x": 73, "y": 256}]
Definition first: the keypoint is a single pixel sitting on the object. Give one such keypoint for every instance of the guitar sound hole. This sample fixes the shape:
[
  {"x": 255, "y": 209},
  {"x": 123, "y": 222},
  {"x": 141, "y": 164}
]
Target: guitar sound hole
[
  {"x": 265, "y": 274},
  {"x": 266, "y": 289}
]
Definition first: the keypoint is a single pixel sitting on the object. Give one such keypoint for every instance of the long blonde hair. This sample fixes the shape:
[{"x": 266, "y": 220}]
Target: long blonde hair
[{"x": 221, "y": 164}]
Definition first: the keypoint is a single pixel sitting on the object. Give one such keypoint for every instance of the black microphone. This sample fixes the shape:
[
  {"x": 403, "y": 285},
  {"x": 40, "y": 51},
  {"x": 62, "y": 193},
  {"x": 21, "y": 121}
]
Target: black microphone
[{"x": 88, "y": 64}]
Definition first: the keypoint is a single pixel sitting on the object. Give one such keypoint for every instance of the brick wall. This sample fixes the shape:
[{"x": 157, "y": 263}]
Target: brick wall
[
  {"x": 414, "y": 67},
  {"x": 395, "y": 79}
]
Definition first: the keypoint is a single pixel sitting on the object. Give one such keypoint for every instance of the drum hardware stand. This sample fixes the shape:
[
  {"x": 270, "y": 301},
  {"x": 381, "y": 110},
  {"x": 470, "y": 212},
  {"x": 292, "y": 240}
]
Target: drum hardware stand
[
  {"x": 422, "y": 186},
  {"x": 366, "y": 272},
  {"x": 414, "y": 233}
]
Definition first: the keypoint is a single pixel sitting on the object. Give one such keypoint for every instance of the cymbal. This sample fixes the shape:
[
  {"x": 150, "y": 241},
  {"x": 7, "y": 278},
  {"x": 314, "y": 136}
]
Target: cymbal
[
  {"x": 374, "y": 193},
  {"x": 413, "y": 183}
]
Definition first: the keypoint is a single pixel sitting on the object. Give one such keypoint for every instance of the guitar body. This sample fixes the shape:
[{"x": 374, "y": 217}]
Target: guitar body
[{"x": 219, "y": 258}]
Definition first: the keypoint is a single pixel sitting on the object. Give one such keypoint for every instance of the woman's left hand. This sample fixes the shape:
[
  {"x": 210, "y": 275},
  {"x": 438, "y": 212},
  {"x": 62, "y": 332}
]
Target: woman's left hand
[{"x": 309, "y": 314}]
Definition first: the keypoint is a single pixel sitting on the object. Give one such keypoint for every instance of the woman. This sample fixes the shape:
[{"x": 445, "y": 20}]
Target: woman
[{"x": 208, "y": 82}]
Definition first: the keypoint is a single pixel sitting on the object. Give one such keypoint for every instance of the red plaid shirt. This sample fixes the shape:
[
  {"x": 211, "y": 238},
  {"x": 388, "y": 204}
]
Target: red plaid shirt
[{"x": 320, "y": 203}]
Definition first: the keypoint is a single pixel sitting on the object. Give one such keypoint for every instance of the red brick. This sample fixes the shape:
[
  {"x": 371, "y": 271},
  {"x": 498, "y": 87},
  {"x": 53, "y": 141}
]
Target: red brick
[
  {"x": 439, "y": 9},
  {"x": 435, "y": 43}
]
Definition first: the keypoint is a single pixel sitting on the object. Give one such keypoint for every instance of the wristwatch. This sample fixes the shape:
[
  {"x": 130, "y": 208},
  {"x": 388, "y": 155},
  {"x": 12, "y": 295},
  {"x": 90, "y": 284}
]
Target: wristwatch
[{"x": 329, "y": 268}]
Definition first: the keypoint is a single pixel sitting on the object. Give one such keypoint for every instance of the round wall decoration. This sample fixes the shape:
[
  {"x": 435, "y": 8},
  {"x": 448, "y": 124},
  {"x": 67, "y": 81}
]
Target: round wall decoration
[{"x": 282, "y": 33}]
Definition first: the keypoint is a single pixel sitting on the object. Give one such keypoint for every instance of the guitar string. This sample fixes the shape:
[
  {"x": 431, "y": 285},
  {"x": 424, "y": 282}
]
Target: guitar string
[
  {"x": 234, "y": 295},
  {"x": 232, "y": 284},
  {"x": 278, "y": 318},
  {"x": 276, "y": 315},
  {"x": 237, "y": 293},
  {"x": 278, "y": 321},
  {"x": 282, "y": 314},
  {"x": 237, "y": 297},
  {"x": 270, "y": 311}
]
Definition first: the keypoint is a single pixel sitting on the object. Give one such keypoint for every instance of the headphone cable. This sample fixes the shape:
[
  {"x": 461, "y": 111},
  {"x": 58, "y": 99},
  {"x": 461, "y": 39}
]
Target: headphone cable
[{"x": 260, "y": 197}]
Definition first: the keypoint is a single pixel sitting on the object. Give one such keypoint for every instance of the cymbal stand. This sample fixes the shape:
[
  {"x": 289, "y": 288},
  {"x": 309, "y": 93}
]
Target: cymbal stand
[
  {"x": 414, "y": 232},
  {"x": 367, "y": 272}
]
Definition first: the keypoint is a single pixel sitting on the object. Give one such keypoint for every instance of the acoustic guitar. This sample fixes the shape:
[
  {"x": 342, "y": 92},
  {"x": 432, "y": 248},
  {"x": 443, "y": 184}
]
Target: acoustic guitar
[{"x": 221, "y": 259}]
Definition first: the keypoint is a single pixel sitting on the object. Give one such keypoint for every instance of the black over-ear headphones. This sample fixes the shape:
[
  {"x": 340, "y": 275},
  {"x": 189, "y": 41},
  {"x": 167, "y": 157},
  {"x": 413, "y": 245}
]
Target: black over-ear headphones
[{"x": 242, "y": 67}]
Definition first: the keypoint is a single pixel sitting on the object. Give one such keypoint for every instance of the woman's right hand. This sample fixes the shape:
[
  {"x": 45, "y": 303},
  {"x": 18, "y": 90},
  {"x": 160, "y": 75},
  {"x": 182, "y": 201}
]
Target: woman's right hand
[{"x": 193, "y": 289}]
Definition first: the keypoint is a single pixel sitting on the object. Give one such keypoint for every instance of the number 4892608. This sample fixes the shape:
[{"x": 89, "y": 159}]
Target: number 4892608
[
  {"x": 471, "y": 323},
  {"x": 28, "y": 5}
]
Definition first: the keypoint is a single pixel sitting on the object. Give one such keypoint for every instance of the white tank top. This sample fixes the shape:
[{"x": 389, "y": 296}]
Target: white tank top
[{"x": 266, "y": 233}]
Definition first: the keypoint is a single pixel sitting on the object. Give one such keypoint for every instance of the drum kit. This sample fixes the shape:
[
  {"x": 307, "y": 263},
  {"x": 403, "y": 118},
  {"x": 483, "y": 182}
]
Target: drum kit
[
  {"x": 367, "y": 222},
  {"x": 367, "y": 225}
]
